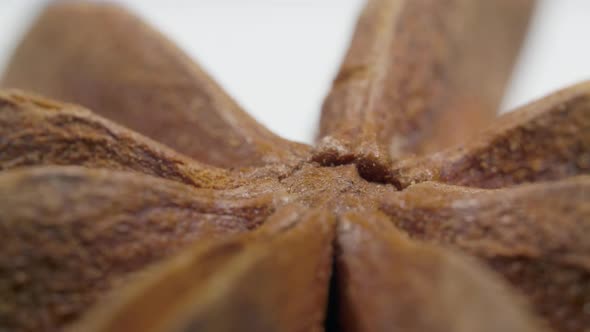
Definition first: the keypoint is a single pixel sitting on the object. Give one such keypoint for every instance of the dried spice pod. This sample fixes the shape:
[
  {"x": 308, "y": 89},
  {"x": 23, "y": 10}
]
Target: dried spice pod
[
  {"x": 38, "y": 131},
  {"x": 412, "y": 79},
  {"x": 417, "y": 278},
  {"x": 71, "y": 233},
  {"x": 131, "y": 74},
  {"x": 535, "y": 235},
  {"x": 371, "y": 231},
  {"x": 274, "y": 279},
  {"x": 546, "y": 140}
]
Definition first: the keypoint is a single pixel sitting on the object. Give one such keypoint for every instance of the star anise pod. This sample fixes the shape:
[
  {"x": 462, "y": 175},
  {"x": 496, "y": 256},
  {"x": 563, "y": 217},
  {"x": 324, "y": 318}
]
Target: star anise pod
[{"x": 408, "y": 215}]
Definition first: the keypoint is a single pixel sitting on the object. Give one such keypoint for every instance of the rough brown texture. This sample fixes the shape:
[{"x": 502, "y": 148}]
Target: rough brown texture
[
  {"x": 412, "y": 79},
  {"x": 536, "y": 235},
  {"x": 233, "y": 283},
  {"x": 87, "y": 228},
  {"x": 397, "y": 219},
  {"x": 431, "y": 280},
  {"x": 166, "y": 96},
  {"x": 546, "y": 140},
  {"x": 36, "y": 131}
]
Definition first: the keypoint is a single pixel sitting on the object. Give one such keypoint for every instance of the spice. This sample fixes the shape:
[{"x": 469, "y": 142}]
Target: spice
[{"x": 408, "y": 214}]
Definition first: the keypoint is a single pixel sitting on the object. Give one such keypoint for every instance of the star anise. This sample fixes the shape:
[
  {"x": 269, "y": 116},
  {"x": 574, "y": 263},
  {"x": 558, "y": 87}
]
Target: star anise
[{"x": 406, "y": 216}]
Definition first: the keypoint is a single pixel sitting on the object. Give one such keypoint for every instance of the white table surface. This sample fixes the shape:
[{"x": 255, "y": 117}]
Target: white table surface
[{"x": 277, "y": 58}]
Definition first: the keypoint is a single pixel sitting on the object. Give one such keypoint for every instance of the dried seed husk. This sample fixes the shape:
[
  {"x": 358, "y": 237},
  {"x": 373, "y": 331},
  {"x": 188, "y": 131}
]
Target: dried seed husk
[
  {"x": 388, "y": 282},
  {"x": 71, "y": 233},
  {"x": 535, "y": 235},
  {"x": 101, "y": 56},
  {"x": 419, "y": 76},
  {"x": 548, "y": 139},
  {"x": 273, "y": 279}
]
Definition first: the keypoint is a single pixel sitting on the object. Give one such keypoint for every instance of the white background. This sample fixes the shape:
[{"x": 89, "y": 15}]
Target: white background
[{"x": 277, "y": 58}]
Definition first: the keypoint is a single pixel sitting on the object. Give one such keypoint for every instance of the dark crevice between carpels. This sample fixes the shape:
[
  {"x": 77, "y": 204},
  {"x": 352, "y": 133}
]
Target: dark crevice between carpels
[{"x": 332, "y": 323}]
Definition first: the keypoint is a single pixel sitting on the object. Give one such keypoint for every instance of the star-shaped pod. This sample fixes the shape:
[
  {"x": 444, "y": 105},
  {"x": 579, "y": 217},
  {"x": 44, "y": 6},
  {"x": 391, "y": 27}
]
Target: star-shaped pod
[{"x": 168, "y": 208}]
